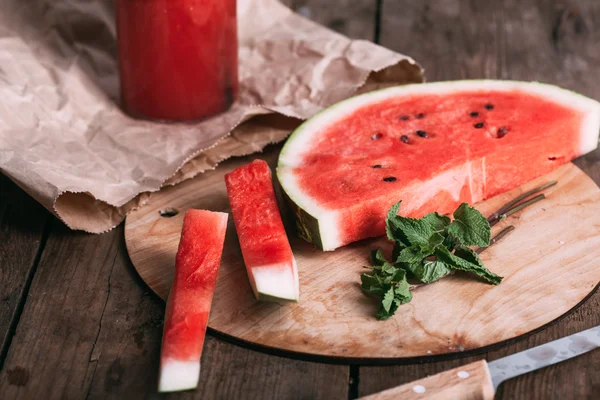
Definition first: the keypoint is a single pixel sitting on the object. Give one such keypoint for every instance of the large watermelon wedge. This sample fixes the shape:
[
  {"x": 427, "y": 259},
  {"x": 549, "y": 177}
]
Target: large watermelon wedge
[
  {"x": 271, "y": 266},
  {"x": 432, "y": 146},
  {"x": 186, "y": 317}
]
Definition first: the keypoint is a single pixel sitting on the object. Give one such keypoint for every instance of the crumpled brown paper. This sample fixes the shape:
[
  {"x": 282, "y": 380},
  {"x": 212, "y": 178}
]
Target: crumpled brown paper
[{"x": 64, "y": 139}]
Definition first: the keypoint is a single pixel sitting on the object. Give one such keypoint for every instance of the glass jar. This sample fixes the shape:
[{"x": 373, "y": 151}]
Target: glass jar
[{"x": 178, "y": 59}]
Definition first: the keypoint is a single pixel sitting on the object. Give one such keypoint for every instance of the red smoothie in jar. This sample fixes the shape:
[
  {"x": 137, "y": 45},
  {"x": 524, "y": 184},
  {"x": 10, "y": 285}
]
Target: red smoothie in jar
[{"x": 178, "y": 58}]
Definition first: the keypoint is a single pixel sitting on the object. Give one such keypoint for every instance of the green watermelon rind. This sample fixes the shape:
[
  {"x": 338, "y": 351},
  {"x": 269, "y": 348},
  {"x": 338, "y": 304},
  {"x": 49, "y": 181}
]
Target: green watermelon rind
[
  {"x": 276, "y": 299},
  {"x": 307, "y": 224}
]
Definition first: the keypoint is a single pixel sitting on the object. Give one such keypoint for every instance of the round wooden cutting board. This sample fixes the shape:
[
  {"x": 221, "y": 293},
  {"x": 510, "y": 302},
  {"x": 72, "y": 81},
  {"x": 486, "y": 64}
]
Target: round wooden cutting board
[{"x": 550, "y": 264}]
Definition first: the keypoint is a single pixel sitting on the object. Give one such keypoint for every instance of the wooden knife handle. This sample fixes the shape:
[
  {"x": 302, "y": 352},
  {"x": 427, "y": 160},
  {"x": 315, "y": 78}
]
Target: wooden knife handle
[{"x": 472, "y": 382}]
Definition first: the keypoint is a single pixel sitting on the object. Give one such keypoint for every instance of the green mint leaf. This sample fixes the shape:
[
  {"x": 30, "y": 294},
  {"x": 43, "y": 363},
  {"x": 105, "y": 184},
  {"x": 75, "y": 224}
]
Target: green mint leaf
[
  {"x": 388, "y": 299},
  {"x": 388, "y": 269},
  {"x": 450, "y": 242},
  {"x": 399, "y": 277},
  {"x": 369, "y": 280},
  {"x": 403, "y": 296},
  {"x": 407, "y": 231},
  {"x": 471, "y": 256},
  {"x": 382, "y": 314},
  {"x": 391, "y": 215},
  {"x": 402, "y": 292},
  {"x": 413, "y": 254},
  {"x": 377, "y": 257},
  {"x": 455, "y": 261},
  {"x": 372, "y": 285},
  {"x": 411, "y": 231},
  {"x": 418, "y": 252},
  {"x": 388, "y": 279},
  {"x": 429, "y": 271},
  {"x": 400, "y": 298},
  {"x": 470, "y": 227},
  {"x": 438, "y": 222},
  {"x": 435, "y": 240},
  {"x": 398, "y": 247}
]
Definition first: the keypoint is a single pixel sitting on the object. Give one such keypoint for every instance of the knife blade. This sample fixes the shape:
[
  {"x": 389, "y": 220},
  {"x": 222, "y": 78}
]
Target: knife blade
[
  {"x": 544, "y": 355},
  {"x": 479, "y": 380}
]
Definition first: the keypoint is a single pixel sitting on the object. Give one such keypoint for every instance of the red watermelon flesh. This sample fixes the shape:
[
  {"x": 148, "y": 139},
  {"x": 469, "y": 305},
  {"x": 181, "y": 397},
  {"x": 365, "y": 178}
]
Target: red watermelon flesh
[
  {"x": 265, "y": 247},
  {"x": 188, "y": 306},
  {"x": 432, "y": 146}
]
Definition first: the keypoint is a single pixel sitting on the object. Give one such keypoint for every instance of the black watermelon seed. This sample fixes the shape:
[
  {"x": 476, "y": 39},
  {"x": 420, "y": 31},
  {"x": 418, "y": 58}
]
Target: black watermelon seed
[
  {"x": 404, "y": 117},
  {"x": 376, "y": 136},
  {"x": 474, "y": 114},
  {"x": 502, "y": 132},
  {"x": 422, "y": 134},
  {"x": 489, "y": 106},
  {"x": 420, "y": 116},
  {"x": 376, "y": 166},
  {"x": 389, "y": 179},
  {"x": 479, "y": 125},
  {"x": 404, "y": 139}
]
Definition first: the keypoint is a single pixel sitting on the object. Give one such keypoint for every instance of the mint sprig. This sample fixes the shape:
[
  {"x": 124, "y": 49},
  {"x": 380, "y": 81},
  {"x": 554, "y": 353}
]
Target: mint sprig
[
  {"x": 388, "y": 282},
  {"x": 426, "y": 249}
]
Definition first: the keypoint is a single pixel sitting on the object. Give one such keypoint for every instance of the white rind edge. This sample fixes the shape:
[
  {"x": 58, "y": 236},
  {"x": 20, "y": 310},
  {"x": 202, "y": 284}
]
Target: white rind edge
[
  {"x": 303, "y": 136},
  {"x": 178, "y": 375},
  {"x": 277, "y": 281}
]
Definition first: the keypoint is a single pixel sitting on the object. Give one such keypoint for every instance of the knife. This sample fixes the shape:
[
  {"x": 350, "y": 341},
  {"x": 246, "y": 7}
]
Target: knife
[{"x": 479, "y": 380}]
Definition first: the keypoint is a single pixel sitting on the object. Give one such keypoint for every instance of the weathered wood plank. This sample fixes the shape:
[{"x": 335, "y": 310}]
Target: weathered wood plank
[
  {"x": 507, "y": 39},
  {"x": 353, "y": 18},
  {"x": 52, "y": 347},
  {"x": 22, "y": 223},
  {"x": 458, "y": 39},
  {"x": 126, "y": 354}
]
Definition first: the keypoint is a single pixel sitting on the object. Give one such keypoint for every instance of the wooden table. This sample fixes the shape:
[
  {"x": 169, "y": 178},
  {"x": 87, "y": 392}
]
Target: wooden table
[{"x": 77, "y": 322}]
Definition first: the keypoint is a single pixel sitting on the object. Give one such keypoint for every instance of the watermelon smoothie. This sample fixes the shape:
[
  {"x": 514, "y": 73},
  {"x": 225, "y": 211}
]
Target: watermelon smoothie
[{"x": 178, "y": 59}]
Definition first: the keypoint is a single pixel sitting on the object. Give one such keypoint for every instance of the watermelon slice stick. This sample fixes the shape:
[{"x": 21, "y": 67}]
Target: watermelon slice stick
[
  {"x": 188, "y": 306},
  {"x": 265, "y": 247}
]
